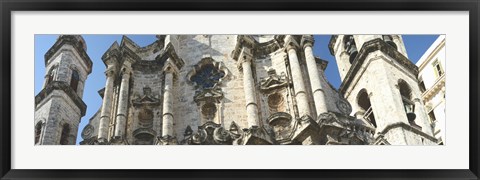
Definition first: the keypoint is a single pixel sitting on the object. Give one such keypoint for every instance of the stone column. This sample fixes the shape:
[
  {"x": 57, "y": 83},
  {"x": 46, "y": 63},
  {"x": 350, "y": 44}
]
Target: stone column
[
  {"x": 249, "y": 88},
  {"x": 167, "y": 124},
  {"x": 121, "y": 118},
  {"x": 317, "y": 90},
  {"x": 106, "y": 107},
  {"x": 298, "y": 84}
]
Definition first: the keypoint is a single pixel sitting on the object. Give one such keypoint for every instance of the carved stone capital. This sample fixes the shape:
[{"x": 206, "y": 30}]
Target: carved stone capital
[
  {"x": 243, "y": 41},
  {"x": 307, "y": 40},
  {"x": 170, "y": 67},
  {"x": 110, "y": 72},
  {"x": 245, "y": 57},
  {"x": 291, "y": 43},
  {"x": 126, "y": 70},
  {"x": 289, "y": 47}
]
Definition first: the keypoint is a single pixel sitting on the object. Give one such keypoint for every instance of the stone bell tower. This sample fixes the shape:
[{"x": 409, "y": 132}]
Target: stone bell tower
[
  {"x": 381, "y": 83},
  {"x": 59, "y": 106}
]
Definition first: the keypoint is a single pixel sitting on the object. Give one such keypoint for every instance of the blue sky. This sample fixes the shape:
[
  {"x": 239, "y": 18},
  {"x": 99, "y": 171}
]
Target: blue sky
[{"x": 416, "y": 46}]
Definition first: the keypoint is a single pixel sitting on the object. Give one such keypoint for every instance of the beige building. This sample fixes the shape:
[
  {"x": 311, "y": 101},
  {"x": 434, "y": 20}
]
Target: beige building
[
  {"x": 431, "y": 76},
  {"x": 253, "y": 89}
]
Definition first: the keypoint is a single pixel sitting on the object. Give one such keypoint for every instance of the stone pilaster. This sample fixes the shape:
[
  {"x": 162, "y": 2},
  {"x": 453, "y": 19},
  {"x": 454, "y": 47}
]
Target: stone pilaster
[
  {"x": 422, "y": 117},
  {"x": 106, "y": 107},
  {"x": 297, "y": 78},
  {"x": 249, "y": 87},
  {"x": 317, "y": 90},
  {"x": 121, "y": 117}
]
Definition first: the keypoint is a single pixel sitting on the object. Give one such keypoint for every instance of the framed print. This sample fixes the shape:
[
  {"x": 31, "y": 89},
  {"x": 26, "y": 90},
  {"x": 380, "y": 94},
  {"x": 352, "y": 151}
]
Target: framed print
[{"x": 217, "y": 89}]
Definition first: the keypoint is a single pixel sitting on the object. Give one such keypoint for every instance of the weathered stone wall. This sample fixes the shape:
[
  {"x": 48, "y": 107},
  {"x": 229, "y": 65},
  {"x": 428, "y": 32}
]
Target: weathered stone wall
[
  {"x": 58, "y": 104},
  {"x": 274, "y": 61},
  {"x": 56, "y": 110},
  {"x": 192, "y": 48},
  {"x": 379, "y": 75},
  {"x": 341, "y": 57},
  {"x": 67, "y": 59},
  {"x": 140, "y": 80}
]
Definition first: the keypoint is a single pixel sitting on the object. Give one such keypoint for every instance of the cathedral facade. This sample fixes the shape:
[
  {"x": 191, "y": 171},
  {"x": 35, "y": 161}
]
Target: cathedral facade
[{"x": 235, "y": 90}]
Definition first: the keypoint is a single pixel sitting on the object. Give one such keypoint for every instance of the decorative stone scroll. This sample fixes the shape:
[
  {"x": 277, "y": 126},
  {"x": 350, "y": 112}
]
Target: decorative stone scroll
[{"x": 211, "y": 133}]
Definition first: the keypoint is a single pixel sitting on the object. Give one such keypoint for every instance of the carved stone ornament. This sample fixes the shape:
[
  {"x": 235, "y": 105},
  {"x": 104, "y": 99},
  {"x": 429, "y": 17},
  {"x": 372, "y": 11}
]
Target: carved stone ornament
[
  {"x": 208, "y": 74},
  {"x": 166, "y": 140},
  {"x": 256, "y": 136},
  {"x": 147, "y": 99},
  {"x": 343, "y": 129},
  {"x": 87, "y": 131},
  {"x": 327, "y": 118},
  {"x": 281, "y": 125},
  {"x": 211, "y": 133},
  {"x": 208, "y": 95},
  {"x": 235, "y": 131},
  {"x": 344, "y": 106},
  {"x": 273, "y": 82},
  {"x": 117, "y": 140}
]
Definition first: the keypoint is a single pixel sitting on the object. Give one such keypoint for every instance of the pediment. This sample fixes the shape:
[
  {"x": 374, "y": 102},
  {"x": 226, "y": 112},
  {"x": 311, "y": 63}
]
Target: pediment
[
  {"x": 210, "y": 95},
  {"x": 272, "y": 82},
  {"x": 146, "y": 99}
]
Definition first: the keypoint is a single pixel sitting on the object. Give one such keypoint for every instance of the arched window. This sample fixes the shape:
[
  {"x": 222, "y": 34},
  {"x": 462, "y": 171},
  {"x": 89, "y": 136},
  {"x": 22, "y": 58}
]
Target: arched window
[
  {"x": 408, "y": 104},
  {"x": 38, "y": 131},
  {"x": 207, "y": 77},
  {"x": 364, "y": 103},
  {"x": 51, "y": 75},
  {"x": 65, "y": 135},
  {"x": 74, "y": 80},
  {"x": 389, "y": 40},
  {"x": 350, "y": 47}
]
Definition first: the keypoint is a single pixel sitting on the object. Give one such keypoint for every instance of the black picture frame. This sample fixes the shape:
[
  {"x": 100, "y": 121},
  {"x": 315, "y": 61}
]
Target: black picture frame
[{"x": 8, "y": 6}]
